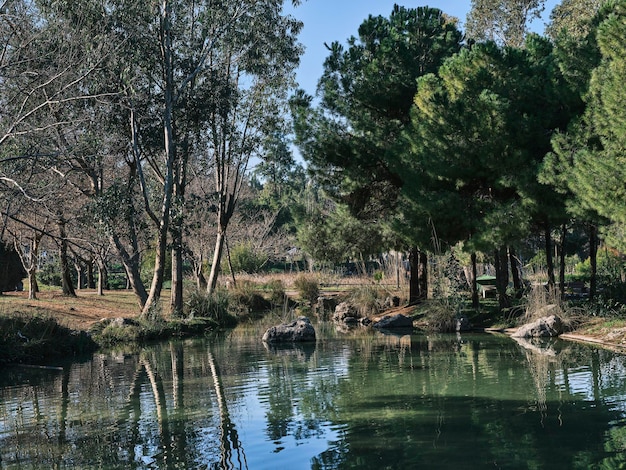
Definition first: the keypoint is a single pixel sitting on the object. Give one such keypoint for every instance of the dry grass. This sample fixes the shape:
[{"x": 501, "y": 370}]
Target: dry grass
[
  {"x": 541, "y": 302},
  {"x": 78, "y": 312}
]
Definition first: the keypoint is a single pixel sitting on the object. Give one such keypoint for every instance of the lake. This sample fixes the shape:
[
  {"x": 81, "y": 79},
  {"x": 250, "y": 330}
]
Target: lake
[{"x": 359, "y": 399}]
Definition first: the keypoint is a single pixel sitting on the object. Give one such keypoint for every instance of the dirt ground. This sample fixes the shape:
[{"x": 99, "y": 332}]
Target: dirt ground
[{"x": 77, "y": 313}]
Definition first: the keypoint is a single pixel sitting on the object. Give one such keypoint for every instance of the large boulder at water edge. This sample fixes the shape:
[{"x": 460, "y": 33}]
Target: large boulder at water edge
[
  {"x": 345, "y": 312},
  {"x": 394, "y": 321},
  {"x": 296, "y": 331},
  {"x": 545, "y": 327}
]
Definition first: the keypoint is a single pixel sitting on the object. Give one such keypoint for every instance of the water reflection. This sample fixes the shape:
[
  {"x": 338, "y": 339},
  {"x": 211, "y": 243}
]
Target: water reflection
[{"x": 360, "y": 399}]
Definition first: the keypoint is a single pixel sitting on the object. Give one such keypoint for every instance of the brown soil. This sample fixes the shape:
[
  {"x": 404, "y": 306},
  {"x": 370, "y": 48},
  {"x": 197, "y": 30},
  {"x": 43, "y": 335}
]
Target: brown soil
[{"x": 78, "y": 313}]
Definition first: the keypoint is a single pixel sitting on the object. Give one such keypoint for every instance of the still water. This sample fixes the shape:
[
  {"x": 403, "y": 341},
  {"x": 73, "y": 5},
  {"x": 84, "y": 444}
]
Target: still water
[{"x": 362, "y": 400}]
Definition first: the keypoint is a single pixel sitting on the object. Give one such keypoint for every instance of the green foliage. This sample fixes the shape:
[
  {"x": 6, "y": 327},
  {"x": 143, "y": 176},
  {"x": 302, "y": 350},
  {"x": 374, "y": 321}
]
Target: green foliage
[
  {"x": 366, "y": 94},
  {"x": 244, "y": 258},
  {"x": 479, "y": 130},
  {"x": 329, "y": 233},
  {"x": 50, "y": 273},
  {"x": 610, "y": 266},
  {"x": 308, "y": 288},
  {"x": 277, "y": 295}
]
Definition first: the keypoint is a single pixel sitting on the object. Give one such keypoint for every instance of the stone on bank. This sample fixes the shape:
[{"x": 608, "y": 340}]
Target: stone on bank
[{"x": 299, "y": 330}]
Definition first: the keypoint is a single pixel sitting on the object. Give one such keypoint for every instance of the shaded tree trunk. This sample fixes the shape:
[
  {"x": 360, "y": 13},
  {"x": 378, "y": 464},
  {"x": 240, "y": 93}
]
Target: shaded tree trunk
[
  {"x": 176, "y": 299},
  {"x": 562, "y": 260},
  {"x": 593, "y": 259},
  {"x": 502, "y": 277},
  {"x": 91, "y": 281},
  {"x": 66, "y": 278},
  {"x": 475, "y": 300},
  {"x": 131, "y": 266},
  {"x": 423, "y": 275},
  {"x": 414, "y": 287},
  {"x": 549, "y": 258},
  {"x": 103, "y": 278},
  {"x": 515, "y": 270}
]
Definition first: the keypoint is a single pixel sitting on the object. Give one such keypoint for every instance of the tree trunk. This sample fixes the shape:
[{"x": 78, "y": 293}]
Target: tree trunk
[
  {"x": 562, "y": 260},
  {"x": 549, "y": 259},
  {"x": 176, "y": 299},
  {"x": 230, "y": 262},
  {"x": 515, "y": 270},
  {"x": 170, "y": 158},
  {"x": 414, "y": 287},
  {"x": 91, "y": 281},
  {"x": 423, "y": 275},
  {"x": 502, "y": 277},
  {"x": 131, "y": 266},
  {"x": 201, "y": 282},
  {"x": 32, "y": 283},
  {"x": 475, "y": 300},
  {"x": 79, "y": 275},
  {"x": 593, "y": 259},
  {"x": 66, "y": 278},
  {"x": 102, "y": 278},
  {"x": 217, "y": 256}
]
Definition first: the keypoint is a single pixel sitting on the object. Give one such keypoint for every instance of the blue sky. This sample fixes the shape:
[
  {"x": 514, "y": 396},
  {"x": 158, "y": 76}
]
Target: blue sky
[{"x": 337, "y": 20}]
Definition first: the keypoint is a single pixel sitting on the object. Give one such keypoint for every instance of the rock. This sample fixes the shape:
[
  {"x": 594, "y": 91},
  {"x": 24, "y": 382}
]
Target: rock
[
  {"x": 391, "y": 302},
  {"x": 326, "y": 303},
  {"x": 296, "y": 331},
  {"x": 394, "y": 321},
  {"x": 345, "y": 313},
  {"x": 545, "y": 327},
  {"x": 121, "y": 322}
]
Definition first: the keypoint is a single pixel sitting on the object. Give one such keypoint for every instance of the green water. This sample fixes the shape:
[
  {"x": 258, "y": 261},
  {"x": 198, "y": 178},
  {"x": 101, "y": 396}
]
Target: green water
[{"x": 358, "y": 400}]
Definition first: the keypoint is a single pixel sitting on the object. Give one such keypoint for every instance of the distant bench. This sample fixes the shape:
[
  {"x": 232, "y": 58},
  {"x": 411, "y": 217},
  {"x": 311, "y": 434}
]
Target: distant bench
[{"x": 486, "y": 284}]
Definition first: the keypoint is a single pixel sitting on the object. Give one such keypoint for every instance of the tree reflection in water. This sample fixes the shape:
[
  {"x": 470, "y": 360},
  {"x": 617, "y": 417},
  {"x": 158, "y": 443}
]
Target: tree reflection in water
[{"x": 353, "y": 400}]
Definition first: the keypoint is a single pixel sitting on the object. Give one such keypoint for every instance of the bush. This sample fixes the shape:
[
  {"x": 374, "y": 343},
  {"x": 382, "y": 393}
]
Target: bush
[
  {"x": 50, "y": 274},
  {"x": 368, "y": 300},
  {"x": 308, "y": 289},
  {"x": 244, "y": 258},
  {"x": 276, "y": 289},
  {"x": 214, "y": 306},
  {"x": 245, "y": 299},
  {"x": 441, "y": 317},
  {"x": 25, "y": 337}
]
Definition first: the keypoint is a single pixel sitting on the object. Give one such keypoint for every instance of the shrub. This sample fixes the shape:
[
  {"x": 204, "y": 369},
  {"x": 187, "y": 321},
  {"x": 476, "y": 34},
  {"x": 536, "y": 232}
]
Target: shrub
[
  {"x": 276, "y": 289},
  {"x": 25, "y": 337},
  {"x": 441, "y": 317},
  {"x": 308, "y": 289},
  {"x": 368, "y": 300},
  {"x": 214, "y": 306},
  {"x": 245, "y": 299},
  {"x": 244, "y": 258}
]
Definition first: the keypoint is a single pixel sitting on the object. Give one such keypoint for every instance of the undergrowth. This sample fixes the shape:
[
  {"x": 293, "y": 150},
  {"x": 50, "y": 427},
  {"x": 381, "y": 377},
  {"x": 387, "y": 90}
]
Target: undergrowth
[{"x": 27, "y": 337}]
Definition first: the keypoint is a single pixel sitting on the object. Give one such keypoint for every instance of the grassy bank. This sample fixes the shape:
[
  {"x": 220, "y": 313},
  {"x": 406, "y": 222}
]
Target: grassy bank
[{"x": 54, "y": 326}]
